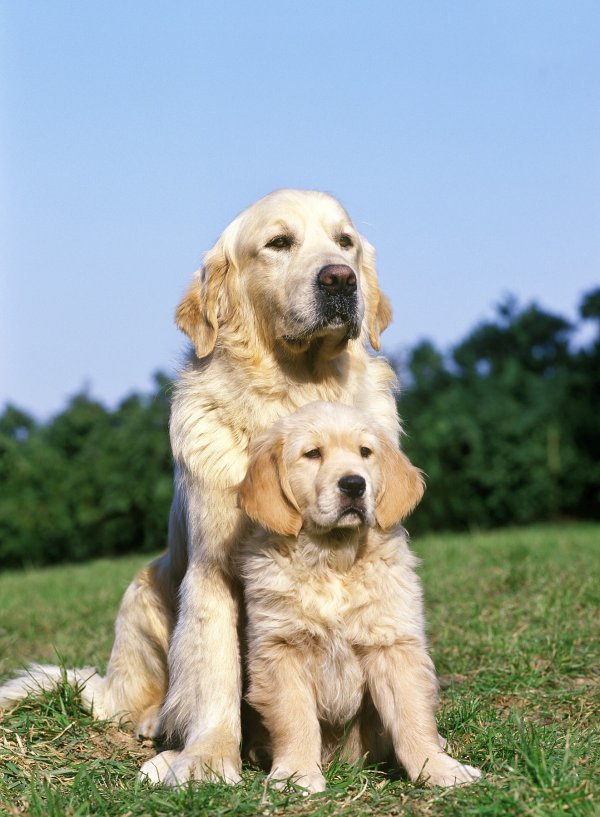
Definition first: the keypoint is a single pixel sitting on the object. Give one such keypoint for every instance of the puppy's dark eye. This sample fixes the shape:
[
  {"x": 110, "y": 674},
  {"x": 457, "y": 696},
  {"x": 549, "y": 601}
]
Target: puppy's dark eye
[
  {"x": 365, "y": 452},
  {"x": 313, "y": 454},
  {"x": 280, "y": 242},
  {"x": 345, "y": 240}
]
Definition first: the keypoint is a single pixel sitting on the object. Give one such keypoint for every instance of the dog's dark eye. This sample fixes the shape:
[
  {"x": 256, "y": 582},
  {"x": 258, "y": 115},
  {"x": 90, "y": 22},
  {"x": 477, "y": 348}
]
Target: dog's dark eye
[
  {"x": 365, "y": 452},
  {"x": 313, "y": 454},
  {"x": 345, "y": 240},
  {"x": 280, "y": 242}
]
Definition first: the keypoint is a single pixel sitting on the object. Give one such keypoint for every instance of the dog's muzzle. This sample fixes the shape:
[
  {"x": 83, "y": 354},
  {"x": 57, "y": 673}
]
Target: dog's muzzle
[
  {"x": 337, "y": 279},
  {"x": 337, "y": 297}
]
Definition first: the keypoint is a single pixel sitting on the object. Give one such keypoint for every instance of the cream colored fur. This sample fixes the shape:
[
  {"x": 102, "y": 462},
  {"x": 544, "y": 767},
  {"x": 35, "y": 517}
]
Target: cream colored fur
[
  {"x": 260, "y": 352},
  {"x": 336, "y": 640}
]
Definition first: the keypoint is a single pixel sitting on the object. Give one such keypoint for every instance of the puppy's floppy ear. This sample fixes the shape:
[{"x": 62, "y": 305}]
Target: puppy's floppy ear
[
  {"x": 265, "y": 494},
  {"x": 402, "y": 485},
  {"x": 197, "y": 314},
  {"x": 378, "y": 312}
]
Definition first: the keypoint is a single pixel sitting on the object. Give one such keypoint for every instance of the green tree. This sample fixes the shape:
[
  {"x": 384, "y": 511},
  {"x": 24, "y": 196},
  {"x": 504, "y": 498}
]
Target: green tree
[
  {"x": 91, "y": 482},
  {"x": 497, "y": 427}
]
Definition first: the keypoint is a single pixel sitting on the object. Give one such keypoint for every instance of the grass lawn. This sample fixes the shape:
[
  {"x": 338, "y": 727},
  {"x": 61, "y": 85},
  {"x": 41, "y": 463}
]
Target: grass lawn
[{"x": 513, "y": 624}]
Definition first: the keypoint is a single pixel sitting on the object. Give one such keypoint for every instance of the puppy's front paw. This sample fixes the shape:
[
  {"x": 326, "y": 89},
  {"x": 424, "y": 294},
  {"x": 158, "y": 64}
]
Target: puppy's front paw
[
  {"x": 443, "y": 770},
  {"x": 312, "y": 782},
  {"x": 177, "y": 768}
]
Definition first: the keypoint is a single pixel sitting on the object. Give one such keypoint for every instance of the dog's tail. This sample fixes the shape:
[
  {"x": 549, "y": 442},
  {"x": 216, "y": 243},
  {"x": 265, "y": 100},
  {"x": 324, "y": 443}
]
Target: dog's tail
[
  {"x": 44, "y": 677},
  {"x": 118, "y": 697}
]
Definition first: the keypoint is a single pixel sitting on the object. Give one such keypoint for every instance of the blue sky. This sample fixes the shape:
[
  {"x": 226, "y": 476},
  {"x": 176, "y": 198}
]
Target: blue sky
[{"x": 462, "y": 137}]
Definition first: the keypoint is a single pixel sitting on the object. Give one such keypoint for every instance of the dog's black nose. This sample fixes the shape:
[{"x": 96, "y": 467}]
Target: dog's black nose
[
  {"x": 353, "y": 485},
  {"x": 337, "y": 279}
]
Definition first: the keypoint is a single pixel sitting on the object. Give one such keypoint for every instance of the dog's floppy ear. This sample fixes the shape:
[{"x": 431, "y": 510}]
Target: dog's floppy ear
[
  {"x": 197, "y": 314},
  {"x": 402, "y": 485},
  {"x": 265, "y": 494},
  {"x": 378, "y": 311}
]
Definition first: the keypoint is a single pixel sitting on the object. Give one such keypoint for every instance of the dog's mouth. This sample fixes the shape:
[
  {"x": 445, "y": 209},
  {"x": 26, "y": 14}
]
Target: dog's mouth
[
  {"x": 339, "y": 310},
  {"x": 334, "y": 319},
  {"x": 323, "y": 327}
]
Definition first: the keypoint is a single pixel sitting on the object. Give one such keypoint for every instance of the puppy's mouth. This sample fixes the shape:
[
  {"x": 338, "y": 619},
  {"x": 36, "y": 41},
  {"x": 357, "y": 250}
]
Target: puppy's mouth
[
  {"x": 346, "y": 517},
  {"x": 355, "y": 511}
]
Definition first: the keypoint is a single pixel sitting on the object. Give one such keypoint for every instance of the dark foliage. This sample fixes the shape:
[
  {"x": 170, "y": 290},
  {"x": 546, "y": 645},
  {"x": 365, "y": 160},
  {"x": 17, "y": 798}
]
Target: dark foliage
[
  {"x": 506, "y": 427},
  {"x": 90, "y": 483}
]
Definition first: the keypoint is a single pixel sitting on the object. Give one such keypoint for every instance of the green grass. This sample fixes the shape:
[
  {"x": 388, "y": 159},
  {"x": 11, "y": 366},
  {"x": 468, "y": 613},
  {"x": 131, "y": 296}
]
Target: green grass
[{"x": 513, "y": 624}]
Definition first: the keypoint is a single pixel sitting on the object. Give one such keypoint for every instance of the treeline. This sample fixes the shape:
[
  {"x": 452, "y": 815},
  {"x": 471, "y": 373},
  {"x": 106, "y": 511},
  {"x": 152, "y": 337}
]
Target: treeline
[
  {"x": 506, "y": 427},
  {"x": 90, "y": 483}
]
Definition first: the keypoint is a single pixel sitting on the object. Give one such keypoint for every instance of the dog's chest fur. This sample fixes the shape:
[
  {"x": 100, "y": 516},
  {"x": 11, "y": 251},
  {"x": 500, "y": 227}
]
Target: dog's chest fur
[
  {"x": 332, "y": 605},
  {"x": 219, "y": 407}
]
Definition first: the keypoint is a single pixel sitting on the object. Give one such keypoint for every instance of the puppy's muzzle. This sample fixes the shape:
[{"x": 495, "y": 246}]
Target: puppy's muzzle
[{"x": 352, "y": 486}]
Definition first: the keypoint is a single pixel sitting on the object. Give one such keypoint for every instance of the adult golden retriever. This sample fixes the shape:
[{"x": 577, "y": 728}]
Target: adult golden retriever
[
  {"x": 335, "y": 639},
  {"x": 280, "y": 315}
]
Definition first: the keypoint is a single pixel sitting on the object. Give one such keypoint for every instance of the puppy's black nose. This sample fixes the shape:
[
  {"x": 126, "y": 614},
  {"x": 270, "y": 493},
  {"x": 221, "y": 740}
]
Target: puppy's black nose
[
  {"x": 353, "y": 485},
  {"x": 337, "y": 279}
]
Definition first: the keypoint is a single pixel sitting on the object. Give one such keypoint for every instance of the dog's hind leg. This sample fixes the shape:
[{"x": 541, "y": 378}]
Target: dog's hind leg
[
  {"x": 135, "y": 684},
  {"x": 137, "y": 674}
]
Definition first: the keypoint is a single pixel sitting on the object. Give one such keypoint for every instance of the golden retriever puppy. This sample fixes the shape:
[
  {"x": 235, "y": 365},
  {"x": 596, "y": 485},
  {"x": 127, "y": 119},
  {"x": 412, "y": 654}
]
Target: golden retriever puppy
[
  {"x": 335, "y": 616},
  {"x": 279, "y": 315}
]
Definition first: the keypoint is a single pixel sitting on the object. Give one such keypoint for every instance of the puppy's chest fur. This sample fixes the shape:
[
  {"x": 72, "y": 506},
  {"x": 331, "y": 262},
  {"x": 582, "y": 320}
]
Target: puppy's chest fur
[{"x": 331, "y": 604}]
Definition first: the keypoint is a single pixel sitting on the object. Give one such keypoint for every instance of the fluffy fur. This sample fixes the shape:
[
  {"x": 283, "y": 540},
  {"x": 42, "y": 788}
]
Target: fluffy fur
[
  {"x": 336, "y": 641},
  {"x": 270, "y": 334}
]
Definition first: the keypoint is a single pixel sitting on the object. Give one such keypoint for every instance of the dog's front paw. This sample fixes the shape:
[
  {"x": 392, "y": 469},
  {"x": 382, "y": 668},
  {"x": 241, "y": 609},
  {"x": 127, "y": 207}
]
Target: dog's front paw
[
  {"x": 156, "y": 769},
  {"x": 177, "y": 768},
  {"x": 443, "y": 770},
  {"x": 312, "y": 782}
]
